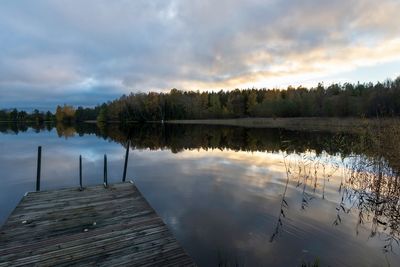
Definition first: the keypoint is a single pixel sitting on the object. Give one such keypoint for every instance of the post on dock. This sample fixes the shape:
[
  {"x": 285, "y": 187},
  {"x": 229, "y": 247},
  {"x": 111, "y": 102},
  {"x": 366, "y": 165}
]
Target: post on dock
[
  {"x": 39, "y": 165},
  {"x": 105, "y": 170},
  {"x": 80, "y": 173},
  {"x": 126, "y": 161}
]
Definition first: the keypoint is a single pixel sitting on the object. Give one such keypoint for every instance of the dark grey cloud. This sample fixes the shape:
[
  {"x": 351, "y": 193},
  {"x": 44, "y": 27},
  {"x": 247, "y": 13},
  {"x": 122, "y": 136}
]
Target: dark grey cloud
[{"x": 70, "y": 51}]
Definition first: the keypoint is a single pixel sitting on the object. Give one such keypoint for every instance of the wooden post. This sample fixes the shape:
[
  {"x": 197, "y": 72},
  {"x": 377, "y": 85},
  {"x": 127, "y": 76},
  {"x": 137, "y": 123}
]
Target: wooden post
[
  {"x": 126, "y": 162},
  {"x": 105, "y": 170},
  {"x": 39, "y": 165},
  {"x": 80, "y": 173}
]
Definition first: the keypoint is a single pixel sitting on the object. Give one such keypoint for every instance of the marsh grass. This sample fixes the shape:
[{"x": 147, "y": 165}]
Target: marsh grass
[
  {"x": 311, "y": 264},
  {"x": 283, "y": 205},
  {"x": 369, "y": 183}
]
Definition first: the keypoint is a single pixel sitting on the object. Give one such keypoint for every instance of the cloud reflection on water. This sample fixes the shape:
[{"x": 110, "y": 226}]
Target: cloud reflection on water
[{"x": 221, "y": 205}]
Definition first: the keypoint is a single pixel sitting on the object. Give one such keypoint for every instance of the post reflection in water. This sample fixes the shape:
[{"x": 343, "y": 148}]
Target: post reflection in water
[{"x": 231, "y": 195}]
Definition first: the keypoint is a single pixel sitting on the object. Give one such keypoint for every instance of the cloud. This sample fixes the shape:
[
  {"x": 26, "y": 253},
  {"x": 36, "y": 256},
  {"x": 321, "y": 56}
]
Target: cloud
[{"x": 73, "y": 50}]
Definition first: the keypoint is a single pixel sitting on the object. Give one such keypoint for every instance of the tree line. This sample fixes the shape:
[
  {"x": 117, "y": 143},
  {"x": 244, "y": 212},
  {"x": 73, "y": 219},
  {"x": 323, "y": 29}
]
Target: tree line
[
  {"x": 336, "y": 100},
  {"x": 15, "y": 115}
]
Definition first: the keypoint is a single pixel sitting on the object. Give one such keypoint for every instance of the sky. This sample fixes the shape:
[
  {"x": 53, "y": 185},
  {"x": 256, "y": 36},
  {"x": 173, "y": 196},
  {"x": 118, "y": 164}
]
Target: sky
[{"x": 85, "y": 52}]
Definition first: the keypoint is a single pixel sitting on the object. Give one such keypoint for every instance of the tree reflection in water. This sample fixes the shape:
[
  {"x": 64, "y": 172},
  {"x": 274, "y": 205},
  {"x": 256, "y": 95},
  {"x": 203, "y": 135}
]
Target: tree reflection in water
[{"x": 366, "y": 164}]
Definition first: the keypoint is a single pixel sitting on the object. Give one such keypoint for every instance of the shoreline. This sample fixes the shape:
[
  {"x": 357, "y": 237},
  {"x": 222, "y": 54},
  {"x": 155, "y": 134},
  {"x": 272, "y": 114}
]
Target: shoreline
[
  {"x": 320, "y": 124},
  {"x": 300, "y": 123}
]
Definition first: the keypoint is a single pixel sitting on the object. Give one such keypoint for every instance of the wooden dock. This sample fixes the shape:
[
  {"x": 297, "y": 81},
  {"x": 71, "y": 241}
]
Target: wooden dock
[{"x": 113, "y": 226}]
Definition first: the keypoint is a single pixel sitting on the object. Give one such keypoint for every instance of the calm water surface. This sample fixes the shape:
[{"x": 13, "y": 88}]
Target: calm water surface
[{"x": 232, "y": 196}]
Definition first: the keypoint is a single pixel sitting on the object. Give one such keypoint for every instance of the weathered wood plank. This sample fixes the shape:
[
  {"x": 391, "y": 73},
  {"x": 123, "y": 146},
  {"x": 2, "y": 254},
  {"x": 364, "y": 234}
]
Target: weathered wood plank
[
  {"x": 83, "y": 237},
  {"x": 75, "y": 195},
  {"x": 54, "y": 226},
  {"x": 99, "y": 226},
  {"x": 70, "y": 212},
  {"x": 102, "y": 248}
]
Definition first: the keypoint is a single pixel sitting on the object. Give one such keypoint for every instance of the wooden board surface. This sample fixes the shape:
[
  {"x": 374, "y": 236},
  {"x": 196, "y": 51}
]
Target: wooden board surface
[{"x": 98, "y": 226}]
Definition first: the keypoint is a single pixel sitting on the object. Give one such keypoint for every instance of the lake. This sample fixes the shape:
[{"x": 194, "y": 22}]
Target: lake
[{"x": 232, "y": 196}]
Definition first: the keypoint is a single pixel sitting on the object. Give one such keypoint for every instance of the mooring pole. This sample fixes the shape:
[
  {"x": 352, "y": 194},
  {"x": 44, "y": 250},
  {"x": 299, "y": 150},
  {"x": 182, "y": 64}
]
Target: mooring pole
[
  {"x": 126, "y": 161},
  {"x": 80, "y": 173},
  {"x": 105, "y": 170},
  {"x": 39, "y": 164}
]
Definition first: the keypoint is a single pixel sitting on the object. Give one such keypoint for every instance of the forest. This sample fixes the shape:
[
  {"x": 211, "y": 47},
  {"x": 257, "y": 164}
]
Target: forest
[
  {"x": 337, "y": 100},
  {"x": 36, "y": 116}
]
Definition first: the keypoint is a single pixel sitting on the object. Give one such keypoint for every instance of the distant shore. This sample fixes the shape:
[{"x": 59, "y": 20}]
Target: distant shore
[
  {"x": 302, "y": 123},
  {"x": 330, "y": 124}
]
